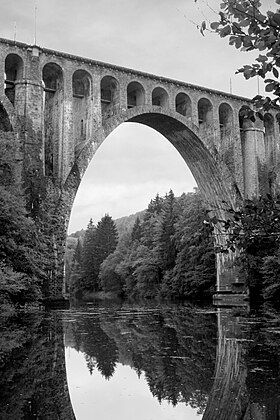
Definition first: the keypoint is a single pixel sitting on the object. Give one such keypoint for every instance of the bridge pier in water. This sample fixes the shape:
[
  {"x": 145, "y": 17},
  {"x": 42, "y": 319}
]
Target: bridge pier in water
[{"x": 62, "y": 107}]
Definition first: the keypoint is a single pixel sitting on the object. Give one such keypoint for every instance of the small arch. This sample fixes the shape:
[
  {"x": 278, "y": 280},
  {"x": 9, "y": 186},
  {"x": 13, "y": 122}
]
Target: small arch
[
  {"x": 52, "y": 77},
  {"x": 160, "y": 97},
  {"x": 81, "y": 87},
  {"x": 13, "y": 72},
  {"x": 110, "y": 95},
  {"x": 183, "y": 104},
  {"x": 205, "y": 111},
  {"x": 244, "y": 121},
  {"x": 225, "y": 119},
  {"x": 5, "y": 124},
  {"x": 135, "y": 94},
  {"x": 81, "y": 84}
]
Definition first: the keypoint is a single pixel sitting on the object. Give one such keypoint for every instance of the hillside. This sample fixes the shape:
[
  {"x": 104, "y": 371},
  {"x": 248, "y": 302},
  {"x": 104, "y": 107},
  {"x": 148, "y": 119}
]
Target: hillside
[
  {"x": 126, "y": 223},
  {"x": 123, "y": 225}
]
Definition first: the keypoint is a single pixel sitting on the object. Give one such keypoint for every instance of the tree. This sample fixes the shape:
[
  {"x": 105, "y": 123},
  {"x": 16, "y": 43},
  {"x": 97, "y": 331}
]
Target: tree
[
  {"x": 110, "y": 280},
  {"x": 111, "y": 274},
  {"x": 136, "y": 233},
  {"x": 194, "y": 272},
  {"x": 89, "y": 273},
  {"x": 105, "y": 241},
  {"x": 166, "y": 245},
  {"x": 75, "y": 278},
  {"x": 22, "y": 263},
  {"x": 248, "y": 28}
]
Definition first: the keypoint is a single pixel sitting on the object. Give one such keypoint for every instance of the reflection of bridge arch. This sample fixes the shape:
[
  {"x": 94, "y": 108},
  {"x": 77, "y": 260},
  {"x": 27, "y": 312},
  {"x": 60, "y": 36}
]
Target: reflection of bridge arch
[{"x": 229, "y": 398}]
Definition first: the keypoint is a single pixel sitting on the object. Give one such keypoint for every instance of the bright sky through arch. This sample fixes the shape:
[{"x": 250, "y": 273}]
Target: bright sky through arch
[
  {"x": 132, "y": 165},
  {"x": 158, "y": 36}
]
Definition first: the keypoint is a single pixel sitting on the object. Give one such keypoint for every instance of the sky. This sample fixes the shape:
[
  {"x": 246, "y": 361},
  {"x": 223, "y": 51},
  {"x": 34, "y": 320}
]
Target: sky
[
  {"x": 125, "y": 396},
  {"x": 155, "y": 36}
]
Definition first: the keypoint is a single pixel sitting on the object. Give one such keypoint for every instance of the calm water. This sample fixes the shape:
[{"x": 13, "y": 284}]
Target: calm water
[{"x": 141, "y": 362}]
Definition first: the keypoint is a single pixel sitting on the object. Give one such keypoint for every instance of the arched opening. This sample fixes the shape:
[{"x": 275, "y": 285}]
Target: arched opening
[
  {"x": 81, "y": 87},
  {"x": 225, "y": 120},
  {"x": 244, "y": 121},
  {"x": 110, "y": 96},
  {"x": 13, "y": 72},
  {"x": 214, "y": 181},
  {"x": 183, "y": 104},
  {"x": 160, "y": 97},
  {"x": 135, "y": 95},
  {"x": 205, "y": 112},
  {"x": 5, "y": 124},
  {"x": 53, "y": 107}
]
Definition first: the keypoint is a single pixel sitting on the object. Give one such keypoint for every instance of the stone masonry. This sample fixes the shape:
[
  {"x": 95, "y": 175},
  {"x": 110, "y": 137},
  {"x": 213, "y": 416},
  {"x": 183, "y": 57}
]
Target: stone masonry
[{"x": 62, "y": 107}]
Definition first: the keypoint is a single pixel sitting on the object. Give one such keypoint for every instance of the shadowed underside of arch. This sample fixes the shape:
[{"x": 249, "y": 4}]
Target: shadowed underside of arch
[{"x": 211, "y": 174}]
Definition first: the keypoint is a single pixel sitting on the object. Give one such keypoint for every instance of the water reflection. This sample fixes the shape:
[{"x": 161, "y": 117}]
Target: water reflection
[
  {"x": 32, "y": 369},
  {"x": 208, "y": 364},
  {"x": 172, "y": 347},
  {"x": 246, "y": 380}
]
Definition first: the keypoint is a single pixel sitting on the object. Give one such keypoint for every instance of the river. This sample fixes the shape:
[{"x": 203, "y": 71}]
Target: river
[{"x": 148, "y": 361}]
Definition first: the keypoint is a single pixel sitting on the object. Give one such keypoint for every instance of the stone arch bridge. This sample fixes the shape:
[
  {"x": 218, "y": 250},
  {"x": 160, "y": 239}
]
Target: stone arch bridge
[{"x": 62, "y": 107}]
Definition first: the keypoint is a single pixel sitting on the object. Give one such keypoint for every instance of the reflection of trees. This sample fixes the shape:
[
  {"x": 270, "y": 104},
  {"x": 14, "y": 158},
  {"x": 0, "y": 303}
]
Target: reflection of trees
[
  {"x": 32, "y": 370},
  {"x": 174, "y": 347},
  {"x": 100, "y": 350}
]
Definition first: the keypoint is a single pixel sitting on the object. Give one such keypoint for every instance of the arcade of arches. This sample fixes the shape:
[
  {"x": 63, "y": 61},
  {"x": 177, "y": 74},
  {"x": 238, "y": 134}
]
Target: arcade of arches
[{"x": 62, "y": 107}]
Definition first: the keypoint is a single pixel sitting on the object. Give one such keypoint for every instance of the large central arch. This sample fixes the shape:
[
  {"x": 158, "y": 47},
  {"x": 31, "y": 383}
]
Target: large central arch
[
  {"x": 210, "y": 172},
  {"x": 213, "y": 177}
]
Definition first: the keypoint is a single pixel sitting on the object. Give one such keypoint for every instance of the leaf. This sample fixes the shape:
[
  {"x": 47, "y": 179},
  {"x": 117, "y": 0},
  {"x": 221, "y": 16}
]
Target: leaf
[
  {"x": 238, "y": 43},
  {"x": 214, "y": 25},
  {"x": 245, "y": 22},
  {"x": 275, "y": 71},
  {"x": 203, "y": 27},
  {"x": 262, "y": 58},
  {"x": 270, "y": 87},
  {"x": 247, "y": 73},
  {"x": 276, "y": 18},
  {"x": 225, "y": 31}
]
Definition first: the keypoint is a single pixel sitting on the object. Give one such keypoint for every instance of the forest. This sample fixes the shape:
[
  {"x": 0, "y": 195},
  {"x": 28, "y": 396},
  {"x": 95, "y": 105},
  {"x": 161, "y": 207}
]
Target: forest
[{"x": 167, "y": 253}]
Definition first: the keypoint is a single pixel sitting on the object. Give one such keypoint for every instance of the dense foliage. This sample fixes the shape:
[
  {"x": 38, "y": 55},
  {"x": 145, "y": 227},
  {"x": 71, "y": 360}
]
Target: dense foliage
[
  {"x": 248, "y": 28},
  {"x": 167, "y": 254},
  {"x": 254, "y": 232},
  {"x": 31, "y": 248},
  {"x": 21, "y": 268},
  {"x": 98, "y": 243}
]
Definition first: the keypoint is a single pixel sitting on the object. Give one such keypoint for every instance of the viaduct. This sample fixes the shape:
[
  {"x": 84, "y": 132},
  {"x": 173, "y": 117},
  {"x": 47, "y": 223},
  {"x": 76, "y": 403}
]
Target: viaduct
[{"x": 61, "y": 108}]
